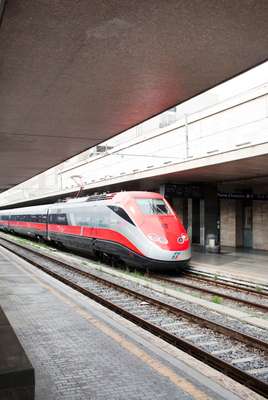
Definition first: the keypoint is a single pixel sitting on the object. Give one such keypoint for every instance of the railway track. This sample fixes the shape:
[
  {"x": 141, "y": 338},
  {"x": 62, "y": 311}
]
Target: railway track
[
  {"x": 240, "y": 356},
  {"x": 251, "y": 298},
  {"x": 226, "y": 282}
]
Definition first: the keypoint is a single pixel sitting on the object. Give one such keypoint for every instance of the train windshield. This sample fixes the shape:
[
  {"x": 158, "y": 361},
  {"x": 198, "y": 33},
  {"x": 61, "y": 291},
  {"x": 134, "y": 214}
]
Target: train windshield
[{"x": 153, "y": 206}]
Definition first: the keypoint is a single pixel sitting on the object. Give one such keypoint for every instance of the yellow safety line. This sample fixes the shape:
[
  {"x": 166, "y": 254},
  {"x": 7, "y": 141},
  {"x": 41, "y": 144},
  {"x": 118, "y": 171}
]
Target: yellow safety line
[{"x": 159, "y": 367}]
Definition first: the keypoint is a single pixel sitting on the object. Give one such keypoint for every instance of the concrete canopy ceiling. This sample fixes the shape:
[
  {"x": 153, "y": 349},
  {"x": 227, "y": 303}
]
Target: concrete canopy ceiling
[
  {"x": 246, "y": 172},
  {"x": 74, "y": 73}
]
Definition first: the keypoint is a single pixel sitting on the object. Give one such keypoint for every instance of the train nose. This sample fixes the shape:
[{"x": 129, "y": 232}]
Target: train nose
[
  {"x": 154, "y": 237},
  {"x": 182, "y": 238}
]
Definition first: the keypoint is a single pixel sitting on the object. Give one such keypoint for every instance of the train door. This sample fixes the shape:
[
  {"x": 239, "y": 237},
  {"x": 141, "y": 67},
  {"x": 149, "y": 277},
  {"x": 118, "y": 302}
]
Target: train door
[
  {"x": 47, "y": 222},
  {"x": 247, "y": 225}
]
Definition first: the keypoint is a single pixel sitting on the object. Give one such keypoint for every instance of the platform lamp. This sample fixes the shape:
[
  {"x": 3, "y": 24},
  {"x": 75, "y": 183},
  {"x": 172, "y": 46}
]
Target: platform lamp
[{"x": 79, "y": 182}]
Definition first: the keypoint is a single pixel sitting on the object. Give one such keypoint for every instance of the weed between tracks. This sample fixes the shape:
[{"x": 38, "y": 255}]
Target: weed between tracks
[{"x": 217, "y": 299}]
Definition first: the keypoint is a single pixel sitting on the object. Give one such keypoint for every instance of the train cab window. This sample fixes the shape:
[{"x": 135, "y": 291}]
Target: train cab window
[
  {"x": 153, "y": 206},
  {"x": 122, "y": 213}
]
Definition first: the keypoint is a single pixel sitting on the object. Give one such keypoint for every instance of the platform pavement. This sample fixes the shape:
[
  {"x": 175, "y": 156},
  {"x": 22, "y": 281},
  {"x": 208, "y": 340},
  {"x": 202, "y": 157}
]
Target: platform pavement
[
  {"x": 80, "y": 350},
  {"x": 248, "y": 265}
]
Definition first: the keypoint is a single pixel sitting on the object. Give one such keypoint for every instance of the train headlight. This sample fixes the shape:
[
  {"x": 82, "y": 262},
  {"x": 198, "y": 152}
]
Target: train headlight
[
  {"x": 181, "y": 239},
  {"x": 154, "y": 237}
]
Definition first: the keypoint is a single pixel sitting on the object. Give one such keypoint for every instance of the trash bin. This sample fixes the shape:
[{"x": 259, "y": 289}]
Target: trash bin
[{"x": 211, "y": 243}]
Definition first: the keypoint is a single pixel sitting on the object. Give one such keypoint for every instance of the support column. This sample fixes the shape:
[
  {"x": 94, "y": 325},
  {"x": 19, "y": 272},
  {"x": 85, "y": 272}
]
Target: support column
[
  {"x": 228, "y": 222},
  {"x": 178, "y": 207},
  {"x": 162, "y": 189},
  {"x": 211, "y": 217},
  {"x": 260, "y": 225}
]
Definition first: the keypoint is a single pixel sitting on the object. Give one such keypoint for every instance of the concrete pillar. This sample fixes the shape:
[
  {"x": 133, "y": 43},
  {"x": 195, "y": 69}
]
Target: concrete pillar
[
  {"x": 260, "y": 225},
  {"x": 202, "y": 222},
  {"x": 211, "y": 212},
  {"x": 228, "y": 222},
  {"x": 190, "y": 218},
  {"x": 178, "y": 207},
  {"x": 239, "y": 239},
  {"x": 162, "y": 189}
]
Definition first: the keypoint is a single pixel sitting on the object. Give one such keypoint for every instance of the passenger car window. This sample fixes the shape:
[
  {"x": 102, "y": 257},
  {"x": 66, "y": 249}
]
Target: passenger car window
[{"x": 58, "y": 219}]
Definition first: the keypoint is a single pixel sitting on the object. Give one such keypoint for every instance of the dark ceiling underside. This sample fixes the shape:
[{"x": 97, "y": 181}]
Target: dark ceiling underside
[{"x": 74, "y": 73}]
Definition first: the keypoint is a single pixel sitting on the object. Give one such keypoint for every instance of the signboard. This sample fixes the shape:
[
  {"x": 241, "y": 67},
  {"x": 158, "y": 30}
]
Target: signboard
[
  {"x": 184, "y": 191},
  {"x": 243, "y": 195},
  {"x": 197, "y": 192}
]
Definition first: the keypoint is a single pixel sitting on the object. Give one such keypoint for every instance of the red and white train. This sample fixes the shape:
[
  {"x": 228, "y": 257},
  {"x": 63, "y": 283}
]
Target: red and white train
[{"x": 139, "y": 228}]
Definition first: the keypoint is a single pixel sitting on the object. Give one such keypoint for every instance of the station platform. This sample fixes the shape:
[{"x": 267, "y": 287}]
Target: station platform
[
  {"x": 243, "y": 264},
  {"x": 80, "y": 350}
]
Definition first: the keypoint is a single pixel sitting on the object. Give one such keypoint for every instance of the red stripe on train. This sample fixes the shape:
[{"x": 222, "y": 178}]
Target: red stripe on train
[
  {"x": 83, "y": 231},
  {"x": 29, "y": 225},
  {"x": 96, "y": 233}
]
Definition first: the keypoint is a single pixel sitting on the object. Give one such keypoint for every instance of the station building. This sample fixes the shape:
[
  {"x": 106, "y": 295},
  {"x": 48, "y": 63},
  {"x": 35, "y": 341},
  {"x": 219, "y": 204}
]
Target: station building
[
  {"x": 211, "y": 164},
  {"x": 234, "y": 216}
]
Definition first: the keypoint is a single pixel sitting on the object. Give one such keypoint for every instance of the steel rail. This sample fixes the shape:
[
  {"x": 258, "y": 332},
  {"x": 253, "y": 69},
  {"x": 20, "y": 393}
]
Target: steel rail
[
  {"x": 236, "y": 373},
  {"x": 247, "y": 339},
  {"x": 211, "y": 291},
  {"x": 196, "y": 275}
]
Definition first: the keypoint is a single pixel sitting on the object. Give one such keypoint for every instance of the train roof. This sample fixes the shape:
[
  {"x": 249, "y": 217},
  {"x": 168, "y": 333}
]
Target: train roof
[
  {"x": 87, "y": 199},
  {"x": 117, "y": 195}
]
